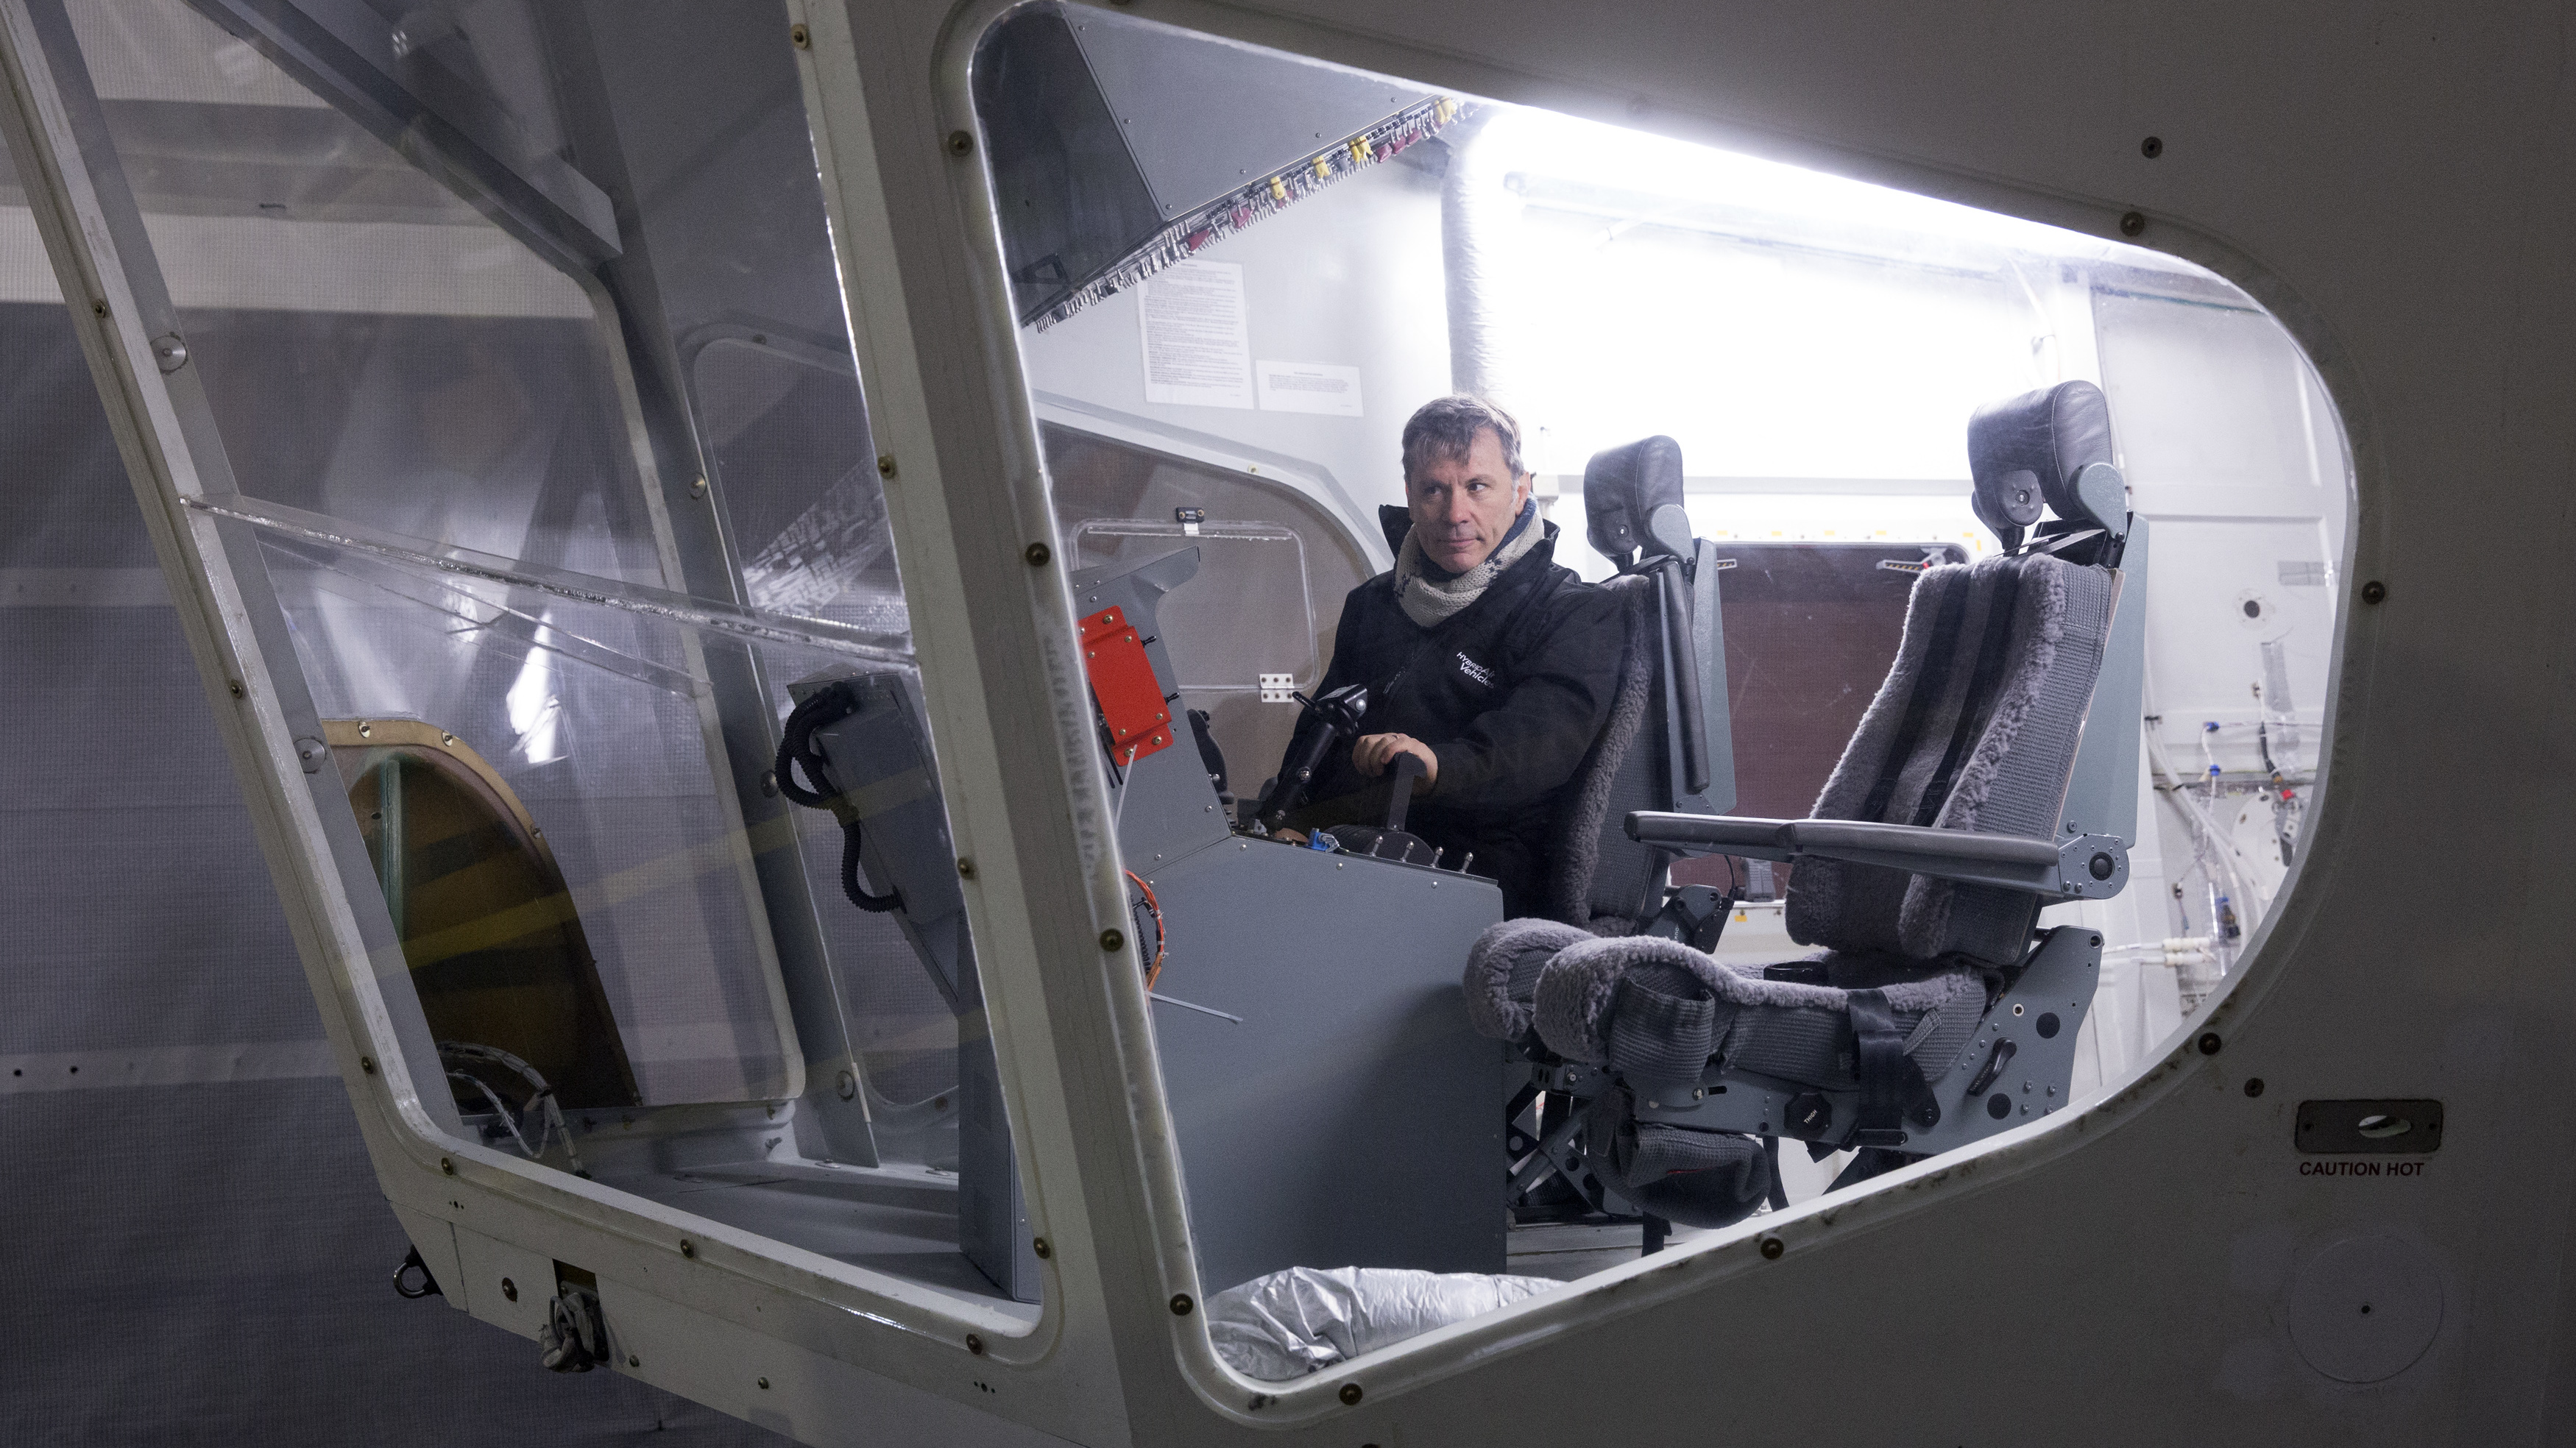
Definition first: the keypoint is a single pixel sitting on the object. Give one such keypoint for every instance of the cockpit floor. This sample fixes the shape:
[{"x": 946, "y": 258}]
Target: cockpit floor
[
  {"x": 1564, "y": 1251},
  {"x": 899, "y": 1221}
]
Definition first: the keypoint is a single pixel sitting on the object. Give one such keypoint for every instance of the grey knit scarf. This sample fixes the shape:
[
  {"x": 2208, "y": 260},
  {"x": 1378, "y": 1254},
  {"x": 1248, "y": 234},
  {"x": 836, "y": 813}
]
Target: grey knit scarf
[{"x": 1430, "y": 596}]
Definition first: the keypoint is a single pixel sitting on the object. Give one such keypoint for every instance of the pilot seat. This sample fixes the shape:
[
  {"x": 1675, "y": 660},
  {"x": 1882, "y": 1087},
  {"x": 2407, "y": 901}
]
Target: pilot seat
[{"x": 1970, "y": 796}]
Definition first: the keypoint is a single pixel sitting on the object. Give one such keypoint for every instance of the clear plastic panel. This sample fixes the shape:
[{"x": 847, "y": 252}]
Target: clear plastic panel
[
  {"x": 1239, "y": 664},
  {"x": 1269, "y": 557},
  {"x": 1269, "y": 631},
  {"x": 786, "y": 435},
  {"x": 590, "y": 714},
  {"x": 649, "y": 874},
  {"x": 554, "y": 687},
  {"x": 374, "y": 346},
  {"x": 807, "y": 506},
  {"x": 415, "y": 374}
]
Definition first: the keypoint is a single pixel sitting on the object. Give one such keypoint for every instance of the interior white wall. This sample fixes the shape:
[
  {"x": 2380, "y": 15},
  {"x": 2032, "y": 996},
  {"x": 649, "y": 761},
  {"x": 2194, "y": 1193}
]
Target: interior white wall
[{"x": 1349, "y": 276}]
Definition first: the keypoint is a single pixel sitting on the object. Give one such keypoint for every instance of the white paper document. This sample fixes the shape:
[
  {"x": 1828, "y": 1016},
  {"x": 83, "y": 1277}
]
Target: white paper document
[
  {"x": 1198, "y": 349},
  {"x": 1309, "y": 387}
]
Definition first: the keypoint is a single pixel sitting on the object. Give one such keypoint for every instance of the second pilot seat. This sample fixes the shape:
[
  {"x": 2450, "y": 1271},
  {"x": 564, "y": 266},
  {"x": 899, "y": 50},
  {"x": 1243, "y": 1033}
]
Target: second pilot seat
[{"x": 1970, "y": 795}]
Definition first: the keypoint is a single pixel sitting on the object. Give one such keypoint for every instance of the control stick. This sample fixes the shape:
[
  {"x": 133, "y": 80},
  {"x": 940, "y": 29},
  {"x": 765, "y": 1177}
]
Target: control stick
[{"x": 1340, "y": 712}]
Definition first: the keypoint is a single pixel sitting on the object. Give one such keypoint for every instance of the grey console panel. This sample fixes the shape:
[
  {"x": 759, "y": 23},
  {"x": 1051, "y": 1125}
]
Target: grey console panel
[{"x": 1353, "y": 1081}]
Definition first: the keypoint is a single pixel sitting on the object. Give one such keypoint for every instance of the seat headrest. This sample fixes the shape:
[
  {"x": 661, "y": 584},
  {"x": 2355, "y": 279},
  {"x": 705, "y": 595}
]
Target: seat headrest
[
  {"x": 1394, "y": 521},
  {"x": 2034, "y": 448},
  {"x": 1622, "y": 488}
]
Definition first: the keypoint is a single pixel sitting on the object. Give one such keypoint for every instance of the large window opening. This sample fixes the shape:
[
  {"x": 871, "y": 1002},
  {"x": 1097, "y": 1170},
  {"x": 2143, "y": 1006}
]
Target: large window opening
[{"x": 1872, "y": 471}]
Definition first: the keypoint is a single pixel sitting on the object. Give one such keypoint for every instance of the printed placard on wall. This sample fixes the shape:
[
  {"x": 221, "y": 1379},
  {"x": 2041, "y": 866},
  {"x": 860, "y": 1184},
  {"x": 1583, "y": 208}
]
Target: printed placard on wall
[
  {"x": 1198, "y": 349},
  {"x": 1309, "y": 387}
]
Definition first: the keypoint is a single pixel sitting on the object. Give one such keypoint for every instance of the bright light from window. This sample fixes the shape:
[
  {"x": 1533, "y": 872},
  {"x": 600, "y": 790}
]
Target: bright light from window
[
  {"x": 1561, "y": 147},
  {"x": 536, "y": 714},
  {"x": 1815, "y": 344}
]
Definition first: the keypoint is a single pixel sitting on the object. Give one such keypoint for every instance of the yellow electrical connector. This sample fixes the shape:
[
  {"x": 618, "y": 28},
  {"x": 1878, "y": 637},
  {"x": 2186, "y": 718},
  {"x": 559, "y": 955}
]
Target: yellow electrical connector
[
  {"x": 1323, "y": 167},
  {"x": 1359, "y": 150},
  {"x": 1278, "y": 190},
  {"x": 1444, "y": 110}
]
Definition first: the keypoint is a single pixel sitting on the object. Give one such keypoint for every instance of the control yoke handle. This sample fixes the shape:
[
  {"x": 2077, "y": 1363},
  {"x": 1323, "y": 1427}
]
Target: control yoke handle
[
  {"x": 1340, "y": 712},
  {"x": 1402, "y": 773}
]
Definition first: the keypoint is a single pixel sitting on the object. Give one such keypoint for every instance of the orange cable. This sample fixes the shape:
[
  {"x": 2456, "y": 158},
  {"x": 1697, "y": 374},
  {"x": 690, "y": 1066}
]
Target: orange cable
[{"x": 1155, "y": 908}]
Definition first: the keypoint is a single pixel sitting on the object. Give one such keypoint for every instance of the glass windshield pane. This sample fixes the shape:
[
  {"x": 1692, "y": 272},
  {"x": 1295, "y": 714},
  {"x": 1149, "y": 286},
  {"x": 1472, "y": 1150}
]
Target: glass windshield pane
[{"x": 1671, "y": 481}]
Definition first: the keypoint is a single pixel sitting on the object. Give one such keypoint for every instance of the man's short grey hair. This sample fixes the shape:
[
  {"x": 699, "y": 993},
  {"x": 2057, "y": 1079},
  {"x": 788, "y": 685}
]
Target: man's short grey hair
[{"x": 1445, "y": 428}]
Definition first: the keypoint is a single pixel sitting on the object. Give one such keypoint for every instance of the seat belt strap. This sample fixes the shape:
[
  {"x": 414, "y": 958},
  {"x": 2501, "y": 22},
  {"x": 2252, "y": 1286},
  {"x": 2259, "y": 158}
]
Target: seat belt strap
[{"x": 1879, "y": 1060}]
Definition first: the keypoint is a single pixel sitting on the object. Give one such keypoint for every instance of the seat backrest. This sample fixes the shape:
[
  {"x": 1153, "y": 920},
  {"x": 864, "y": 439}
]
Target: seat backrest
[
  {"x": 1599, "y": 878},
  {"x": 1977, "y": 724}
]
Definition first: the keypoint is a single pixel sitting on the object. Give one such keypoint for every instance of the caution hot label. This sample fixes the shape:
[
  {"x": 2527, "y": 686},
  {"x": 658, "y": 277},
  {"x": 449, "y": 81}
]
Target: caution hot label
[{"x": 2361, "y": 1168}]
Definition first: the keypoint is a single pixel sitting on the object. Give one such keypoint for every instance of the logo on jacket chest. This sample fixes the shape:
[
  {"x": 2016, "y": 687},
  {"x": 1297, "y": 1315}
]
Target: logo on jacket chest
[{"x": 1481, "y": 675}]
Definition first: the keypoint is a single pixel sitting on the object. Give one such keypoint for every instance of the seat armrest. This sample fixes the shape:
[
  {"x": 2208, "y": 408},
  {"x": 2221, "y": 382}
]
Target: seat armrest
[
  {"x": 1834, "y": 837},
  {"x": 2079, "y": 867},
  {"x": 1753, "y": 839}
]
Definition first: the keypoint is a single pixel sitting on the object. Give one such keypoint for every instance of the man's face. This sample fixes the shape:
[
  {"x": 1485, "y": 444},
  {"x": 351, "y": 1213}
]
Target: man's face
[{"x": 1462, "y": 507}]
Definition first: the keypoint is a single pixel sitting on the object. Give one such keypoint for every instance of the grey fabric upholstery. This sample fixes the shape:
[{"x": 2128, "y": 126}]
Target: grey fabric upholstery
[
  {"x": 1696, "y": 1178},
  {"x": 1657, "y": 1010},
  {"x": 1502, "y": 974},
  {"x": 1598, "y": 878},
  {"x": 1666, "y": 1026},
  {"x": 1975, "y": 729}
]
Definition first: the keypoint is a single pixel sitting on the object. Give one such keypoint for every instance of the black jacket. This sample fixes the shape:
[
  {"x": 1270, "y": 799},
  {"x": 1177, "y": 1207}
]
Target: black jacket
[{"x": 1510, "y": 692}]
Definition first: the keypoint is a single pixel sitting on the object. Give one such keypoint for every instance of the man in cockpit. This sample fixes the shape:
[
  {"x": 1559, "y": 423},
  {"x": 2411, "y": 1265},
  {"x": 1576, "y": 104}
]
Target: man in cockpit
[{"x": 1482, "y": 657}]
